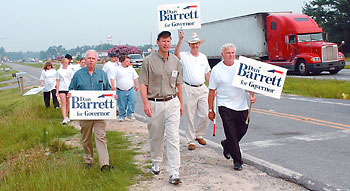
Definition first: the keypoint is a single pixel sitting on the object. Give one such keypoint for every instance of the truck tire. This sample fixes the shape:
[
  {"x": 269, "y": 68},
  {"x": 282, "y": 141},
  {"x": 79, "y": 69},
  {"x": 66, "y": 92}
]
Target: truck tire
[
  {"x": 301, "y": 68},
  {"x": 334, "y": 71}
]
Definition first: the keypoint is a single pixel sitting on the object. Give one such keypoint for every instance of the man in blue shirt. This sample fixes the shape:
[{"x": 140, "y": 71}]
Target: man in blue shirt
[{"x": 92, "y": 78}]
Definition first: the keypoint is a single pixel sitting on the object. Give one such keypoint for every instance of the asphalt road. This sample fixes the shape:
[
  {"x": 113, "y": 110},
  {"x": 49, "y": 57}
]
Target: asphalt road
[
  {"x": 309, "y": 136},
  {"x": 342, "y": 75}
]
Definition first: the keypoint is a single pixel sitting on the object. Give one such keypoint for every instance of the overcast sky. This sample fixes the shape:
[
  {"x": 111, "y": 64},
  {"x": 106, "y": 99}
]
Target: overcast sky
[{"x": 35, "y": 25}]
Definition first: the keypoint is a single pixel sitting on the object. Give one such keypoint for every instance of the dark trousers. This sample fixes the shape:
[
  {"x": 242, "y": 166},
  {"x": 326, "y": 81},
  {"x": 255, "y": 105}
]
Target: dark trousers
[
  {"x": 54, "y": 98},
  {"x": 235, "y": 128}
]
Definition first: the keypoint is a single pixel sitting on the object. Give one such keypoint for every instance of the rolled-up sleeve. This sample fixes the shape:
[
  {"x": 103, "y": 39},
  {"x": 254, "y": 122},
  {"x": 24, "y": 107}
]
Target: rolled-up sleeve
[{"x": 144, "y": 72}]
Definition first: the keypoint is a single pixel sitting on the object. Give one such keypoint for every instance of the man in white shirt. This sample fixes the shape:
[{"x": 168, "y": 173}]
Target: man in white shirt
[
  {"x": 232, "y": 103},
  {"x": 110, "y": 68},
  {"x": 196, "y": 70}
]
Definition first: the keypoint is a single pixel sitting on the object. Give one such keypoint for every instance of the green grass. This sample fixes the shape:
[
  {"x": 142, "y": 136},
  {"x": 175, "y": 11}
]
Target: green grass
[
  {"x": 347, "y": 59},
  {"x": 347, "y": 67},
  {"x": 33, "y": 158},
  {"x": 336, "y": 89},
  {"x": 5, "y": 78}
]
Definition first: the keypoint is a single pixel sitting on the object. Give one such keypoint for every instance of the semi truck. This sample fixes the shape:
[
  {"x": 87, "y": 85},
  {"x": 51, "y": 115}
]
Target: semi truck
[{"x": 292, "y": 41}]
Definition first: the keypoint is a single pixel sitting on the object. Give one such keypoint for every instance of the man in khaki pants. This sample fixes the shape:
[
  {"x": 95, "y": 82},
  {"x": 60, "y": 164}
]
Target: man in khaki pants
[
  {"x": 92, "y": 78},
  {"x": 196, "y": 70},
  {"x": 160, "y": 76}
]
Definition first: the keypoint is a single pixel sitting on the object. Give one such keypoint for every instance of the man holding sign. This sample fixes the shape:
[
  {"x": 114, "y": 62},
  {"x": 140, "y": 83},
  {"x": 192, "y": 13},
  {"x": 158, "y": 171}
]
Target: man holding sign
[
  {"x": 92, "y": 78},
  {"x": 196, "y": 71},
  {"x": 232, "y": 103}
]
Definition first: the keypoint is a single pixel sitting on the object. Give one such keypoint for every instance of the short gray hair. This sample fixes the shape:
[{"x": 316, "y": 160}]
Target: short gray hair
[
  {"x": 226, "y": 46},
  {"x": 93, "y": 51}
]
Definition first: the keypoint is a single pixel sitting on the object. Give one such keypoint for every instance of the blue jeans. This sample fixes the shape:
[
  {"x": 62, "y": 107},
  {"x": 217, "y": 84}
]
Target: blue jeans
[{"x": 126, "y": 102}]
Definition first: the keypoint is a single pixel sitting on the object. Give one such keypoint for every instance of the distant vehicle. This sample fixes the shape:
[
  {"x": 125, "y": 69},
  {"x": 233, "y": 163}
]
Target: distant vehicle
[{"x": 136, "y": 60}]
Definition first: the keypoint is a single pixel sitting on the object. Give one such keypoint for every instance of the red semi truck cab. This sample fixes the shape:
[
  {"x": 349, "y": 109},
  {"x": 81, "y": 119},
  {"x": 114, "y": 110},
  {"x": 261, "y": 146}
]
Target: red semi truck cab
[{"x": 295, "y": 42}]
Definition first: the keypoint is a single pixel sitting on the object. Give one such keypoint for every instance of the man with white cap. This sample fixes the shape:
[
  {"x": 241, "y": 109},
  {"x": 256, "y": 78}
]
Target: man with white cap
[{"x": 196, "y": 70}]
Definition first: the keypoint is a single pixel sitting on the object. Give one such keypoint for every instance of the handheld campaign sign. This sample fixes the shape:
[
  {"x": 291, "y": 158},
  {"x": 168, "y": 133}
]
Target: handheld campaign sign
[
  {"x": 259, "y": 77},
  {"x": 179, "y": 16},
  {"x": 92, "y": 105}
]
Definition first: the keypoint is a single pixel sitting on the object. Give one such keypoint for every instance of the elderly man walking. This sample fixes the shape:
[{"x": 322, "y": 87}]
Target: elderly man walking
[
  {"x": 92, "y": 78},
  {"x": 161, "y": 93},
  {"x": 196, "y": 70},
  {"x": 232, "y": 102}
]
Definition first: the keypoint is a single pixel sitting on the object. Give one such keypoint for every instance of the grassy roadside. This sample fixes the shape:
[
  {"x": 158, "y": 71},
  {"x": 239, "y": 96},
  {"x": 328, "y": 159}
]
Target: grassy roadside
[
  {"x": 32, "y": 157},
  {"x": 336, "y": 89}
]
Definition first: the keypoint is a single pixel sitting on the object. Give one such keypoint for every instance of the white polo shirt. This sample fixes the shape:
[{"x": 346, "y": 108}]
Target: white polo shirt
[
  {"x": 194, "y": 67},
  {"x": 221, "y": 78}
]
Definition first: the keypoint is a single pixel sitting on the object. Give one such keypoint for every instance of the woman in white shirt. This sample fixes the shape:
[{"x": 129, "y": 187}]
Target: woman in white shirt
[
  {"x": 63, "y": 79},
  {"x": 48, "y": 80}
]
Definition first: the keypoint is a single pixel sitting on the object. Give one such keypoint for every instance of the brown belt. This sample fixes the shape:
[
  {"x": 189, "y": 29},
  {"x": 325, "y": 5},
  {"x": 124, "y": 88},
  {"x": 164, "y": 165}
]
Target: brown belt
[
  {"x": 193, "y": 85},
  {"x": 163, "y": 99}
]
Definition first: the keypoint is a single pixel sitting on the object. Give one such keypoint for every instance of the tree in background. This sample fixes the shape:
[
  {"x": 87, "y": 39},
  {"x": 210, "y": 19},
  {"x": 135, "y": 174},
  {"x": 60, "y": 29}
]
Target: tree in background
[
  {"x": 124, "y": 50},
  {"x": 333, "y": 16}
]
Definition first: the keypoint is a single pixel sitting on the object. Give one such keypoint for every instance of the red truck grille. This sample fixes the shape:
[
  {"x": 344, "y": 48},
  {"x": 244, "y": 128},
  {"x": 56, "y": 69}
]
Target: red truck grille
[{"x": 329, "y": 53}]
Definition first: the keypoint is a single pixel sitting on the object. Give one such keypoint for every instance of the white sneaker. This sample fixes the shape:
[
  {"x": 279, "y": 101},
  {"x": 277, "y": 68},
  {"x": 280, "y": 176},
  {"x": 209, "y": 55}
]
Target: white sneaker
[
  {"x": 121, "y": 119},
  {"x": 174, "y": 179},
  {"x": 155, "y": 169},
  {"x": 131, "y": 117},
  {"x": 64, "y": 121},
  {"x": 67, "y": 119}
]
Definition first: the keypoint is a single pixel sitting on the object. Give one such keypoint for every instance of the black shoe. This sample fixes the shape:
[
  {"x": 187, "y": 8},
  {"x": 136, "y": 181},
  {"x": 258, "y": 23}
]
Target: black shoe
[
  {"x": 238, "y": 167},
  {"x": 106, "y": 168},
  {"x": 226, "y": 154},
  {"x": 87, "y": 165}
]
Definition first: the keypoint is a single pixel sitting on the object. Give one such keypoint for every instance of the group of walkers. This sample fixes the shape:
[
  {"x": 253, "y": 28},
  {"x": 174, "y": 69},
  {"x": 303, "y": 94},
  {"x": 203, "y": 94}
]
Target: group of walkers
[
  {"x": 165, "y": 81},
  {"x": 164, "y": 76}
]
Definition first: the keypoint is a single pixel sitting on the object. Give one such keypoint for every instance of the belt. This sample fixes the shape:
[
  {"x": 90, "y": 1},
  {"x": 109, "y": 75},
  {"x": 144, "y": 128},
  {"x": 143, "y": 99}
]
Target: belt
[
  {"x": 163, "y": 99},
  {"x": 193, "y": 85},
  {"x": 124, "y": 90}
]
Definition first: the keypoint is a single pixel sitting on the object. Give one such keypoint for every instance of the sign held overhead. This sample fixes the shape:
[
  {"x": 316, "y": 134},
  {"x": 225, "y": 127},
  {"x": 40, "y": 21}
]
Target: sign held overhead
[{"x": 179, "y": 16}]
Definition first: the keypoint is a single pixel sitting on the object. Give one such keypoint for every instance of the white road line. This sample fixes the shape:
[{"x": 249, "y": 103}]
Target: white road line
[
  {"x": 306, "y": 138},
  {"x": 317, "y": 101}
]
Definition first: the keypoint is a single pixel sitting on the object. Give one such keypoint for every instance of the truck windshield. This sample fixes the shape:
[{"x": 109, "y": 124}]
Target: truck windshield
[{"x": 310, "y": 37}]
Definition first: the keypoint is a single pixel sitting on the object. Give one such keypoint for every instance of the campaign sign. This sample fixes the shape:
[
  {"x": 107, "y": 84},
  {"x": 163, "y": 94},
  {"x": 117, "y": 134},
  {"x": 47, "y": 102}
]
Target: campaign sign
[
  {"x": 259, "y": 77},
  {"x": 92, "y": 105},
  {"x": 179, "y": 16}
]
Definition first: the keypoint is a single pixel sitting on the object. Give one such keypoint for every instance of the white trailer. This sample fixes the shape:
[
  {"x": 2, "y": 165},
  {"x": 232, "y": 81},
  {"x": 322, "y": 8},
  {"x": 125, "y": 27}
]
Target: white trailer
[{"x": 247, "y": 33}]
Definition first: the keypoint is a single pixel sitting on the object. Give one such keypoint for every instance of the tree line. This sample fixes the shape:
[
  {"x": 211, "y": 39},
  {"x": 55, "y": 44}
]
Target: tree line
[{"x": 57, "y": 51}]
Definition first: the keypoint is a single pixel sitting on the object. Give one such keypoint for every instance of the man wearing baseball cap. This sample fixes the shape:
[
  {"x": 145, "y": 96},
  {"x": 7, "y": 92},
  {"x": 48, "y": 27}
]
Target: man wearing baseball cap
[{"x": 196, "y": 70}]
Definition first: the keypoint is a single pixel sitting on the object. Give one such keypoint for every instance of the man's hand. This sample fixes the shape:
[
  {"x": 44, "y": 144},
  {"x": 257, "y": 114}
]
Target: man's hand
[
  {"x": 69, "y": 95},
  {"x": 252, "y": 97},
  {"x": 181, "y": 34},
  {"x": 113, "y": 88},
  {"x": 211, "y": 115},
  {"x": 147, "y": 109},
  {"x": 116, "y": 96}
]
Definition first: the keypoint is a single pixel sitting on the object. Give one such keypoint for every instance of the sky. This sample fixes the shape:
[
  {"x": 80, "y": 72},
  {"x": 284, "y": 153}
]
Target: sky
[{"x": 35, "y": 25}]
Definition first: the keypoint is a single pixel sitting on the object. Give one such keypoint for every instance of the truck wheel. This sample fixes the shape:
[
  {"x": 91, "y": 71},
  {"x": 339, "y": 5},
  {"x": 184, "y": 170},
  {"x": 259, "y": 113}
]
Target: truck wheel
[
  {"x": 301, "y": 68},
  {"x": 334, "y": 71}
]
